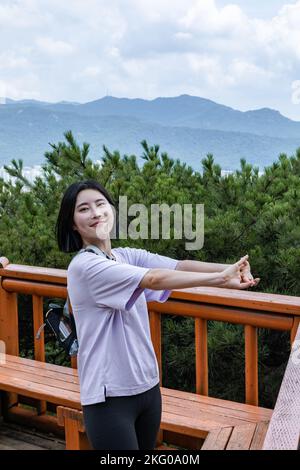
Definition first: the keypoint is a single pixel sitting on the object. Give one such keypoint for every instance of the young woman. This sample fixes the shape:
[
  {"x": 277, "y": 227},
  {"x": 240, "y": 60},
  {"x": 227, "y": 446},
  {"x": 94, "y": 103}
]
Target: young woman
[{"x": 109, "y": 289}]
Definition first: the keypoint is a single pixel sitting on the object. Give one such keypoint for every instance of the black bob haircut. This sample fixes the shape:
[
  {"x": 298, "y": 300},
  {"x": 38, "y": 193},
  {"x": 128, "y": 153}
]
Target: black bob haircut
[{"x": 68, "y": 239}]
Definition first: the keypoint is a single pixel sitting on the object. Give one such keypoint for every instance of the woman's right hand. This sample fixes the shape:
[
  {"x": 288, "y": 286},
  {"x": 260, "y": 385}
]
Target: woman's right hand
[{"x": 233, "y": 276}]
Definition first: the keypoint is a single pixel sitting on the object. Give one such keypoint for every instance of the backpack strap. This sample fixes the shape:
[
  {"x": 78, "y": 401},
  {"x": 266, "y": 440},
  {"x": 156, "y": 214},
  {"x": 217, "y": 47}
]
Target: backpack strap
[
  {"x": 97, "y": 251},
  {"x": 68, "y": 311},
  {"x": 69, "y": 306}
]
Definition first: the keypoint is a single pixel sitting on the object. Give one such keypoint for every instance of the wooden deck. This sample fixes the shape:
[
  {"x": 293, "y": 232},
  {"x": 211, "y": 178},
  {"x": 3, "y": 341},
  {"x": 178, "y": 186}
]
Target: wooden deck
[
  {"x": 14, "y": 437},
  {"x": 185, "y": 413}
]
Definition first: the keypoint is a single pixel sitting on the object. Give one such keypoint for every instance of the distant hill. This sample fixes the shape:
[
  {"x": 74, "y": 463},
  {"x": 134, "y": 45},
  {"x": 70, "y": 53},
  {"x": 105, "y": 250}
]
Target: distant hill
[{"x": 186, "y": 127}]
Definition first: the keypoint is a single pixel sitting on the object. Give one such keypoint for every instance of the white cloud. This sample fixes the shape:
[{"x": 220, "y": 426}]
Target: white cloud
[
  {"x": 207, "y": 68},
  {"x": 81, "y": 50},
  {"x": 246, "y": 72},
  {"x": 282, "y": 33},
  {"x": 54, "y": 47},
  {"x": 204, "y": 16},
  {"x": 22, "y": 14},
  {"x": 26, "y": 86},
  {"x": 9, "y": 60},
  {"x": 91, "y": 71},
  {"x": 296, "y": 92}
]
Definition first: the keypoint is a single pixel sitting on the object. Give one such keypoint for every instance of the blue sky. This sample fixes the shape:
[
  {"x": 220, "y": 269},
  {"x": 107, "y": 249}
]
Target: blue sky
[
  {"x": 244, "y": 54},
  {"x": 257, "y": 8}
]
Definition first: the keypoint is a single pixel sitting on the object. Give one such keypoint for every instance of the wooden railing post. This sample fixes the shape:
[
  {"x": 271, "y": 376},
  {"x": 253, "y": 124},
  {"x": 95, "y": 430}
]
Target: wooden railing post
[
  {"x": 9, "y": 333},
  {"x": 75, "y": 436},
  {"x": 38, "y": 320},
  {"x": 201, "y": 356},
  {"x": 9, "y": 325},
  {"x": 74, "y": 362},
  {"x": 39, "y": 344},
  {"x": 155, "y": 328},
  {"x": 251, "y": 365}
]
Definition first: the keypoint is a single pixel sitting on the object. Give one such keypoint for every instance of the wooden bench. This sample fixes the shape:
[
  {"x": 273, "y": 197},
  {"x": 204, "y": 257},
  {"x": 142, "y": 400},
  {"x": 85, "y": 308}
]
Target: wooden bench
[{"x": 222, "y": 424}]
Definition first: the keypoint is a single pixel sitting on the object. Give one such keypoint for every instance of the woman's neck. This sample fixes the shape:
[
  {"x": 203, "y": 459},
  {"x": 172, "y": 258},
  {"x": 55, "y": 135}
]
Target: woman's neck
[{"x": 103, "y": 245}]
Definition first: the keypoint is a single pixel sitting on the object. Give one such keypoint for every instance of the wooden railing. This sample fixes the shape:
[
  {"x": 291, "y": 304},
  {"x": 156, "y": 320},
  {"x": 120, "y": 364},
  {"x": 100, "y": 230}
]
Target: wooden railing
[{"x": 251, "y": 309}]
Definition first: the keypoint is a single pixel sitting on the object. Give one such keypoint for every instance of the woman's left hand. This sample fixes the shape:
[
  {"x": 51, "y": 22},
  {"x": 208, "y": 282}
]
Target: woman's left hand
[
  {"x": 233, "y": 277},
  {"x": 246, "y": 273}
]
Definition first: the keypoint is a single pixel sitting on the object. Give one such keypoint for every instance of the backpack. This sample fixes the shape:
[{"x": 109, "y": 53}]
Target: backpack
[{"x": 60, "y": 319}]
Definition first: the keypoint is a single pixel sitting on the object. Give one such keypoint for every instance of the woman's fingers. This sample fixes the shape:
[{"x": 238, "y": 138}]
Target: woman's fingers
[
  {"x": 243, "y": 261},
  {"x": 246, "y": 284},
  {"x": 241, "y": 277},
  {"x": 247, "y": 276},
  {"x": 254, "y": 282}
]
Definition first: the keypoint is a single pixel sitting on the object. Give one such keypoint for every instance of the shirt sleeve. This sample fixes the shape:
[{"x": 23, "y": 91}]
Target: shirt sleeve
[
  {"x": 146, "y": 259},
  {"x": 113, "y": 284}
]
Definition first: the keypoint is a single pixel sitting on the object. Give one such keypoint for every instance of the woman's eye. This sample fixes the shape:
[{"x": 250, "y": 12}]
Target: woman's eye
[{"x": 83, "y": 209}]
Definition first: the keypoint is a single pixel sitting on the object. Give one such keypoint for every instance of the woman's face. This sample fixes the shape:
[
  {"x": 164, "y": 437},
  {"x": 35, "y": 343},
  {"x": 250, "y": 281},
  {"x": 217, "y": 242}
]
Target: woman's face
[{"x": 93, "y": 216}]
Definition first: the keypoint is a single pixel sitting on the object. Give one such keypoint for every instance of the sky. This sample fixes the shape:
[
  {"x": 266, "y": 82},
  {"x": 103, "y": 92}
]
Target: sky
[{"x": 244, "y": 54}]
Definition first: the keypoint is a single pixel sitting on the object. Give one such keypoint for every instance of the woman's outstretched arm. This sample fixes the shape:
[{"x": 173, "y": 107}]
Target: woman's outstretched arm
[
  {"x": 203, "y": 267},
  {"x": 200, "y": 266},
  {"x": 231, "y": 278}
]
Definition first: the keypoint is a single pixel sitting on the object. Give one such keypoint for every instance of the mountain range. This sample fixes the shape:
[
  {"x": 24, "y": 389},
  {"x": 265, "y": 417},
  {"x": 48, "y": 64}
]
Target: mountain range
[{"x": 186, "y": 127}]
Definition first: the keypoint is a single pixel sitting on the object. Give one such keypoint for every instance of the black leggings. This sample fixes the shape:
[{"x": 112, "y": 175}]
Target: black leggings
[{"x": 124, "y": 423}]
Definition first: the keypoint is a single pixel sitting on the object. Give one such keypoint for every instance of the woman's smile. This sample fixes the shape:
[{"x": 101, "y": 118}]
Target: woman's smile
[{"x": 97, "y": 223}]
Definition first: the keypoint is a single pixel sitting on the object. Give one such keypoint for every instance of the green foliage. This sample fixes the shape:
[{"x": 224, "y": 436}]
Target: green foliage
[
  {"x": 245, "y": 212},
  {"x": 178, "y": 353}
]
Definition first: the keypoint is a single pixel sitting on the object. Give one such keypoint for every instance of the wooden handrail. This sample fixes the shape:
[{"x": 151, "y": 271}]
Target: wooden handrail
[
  {"x": 241, "y": 298},
  {"x": 37, "y": 288},
  {"x": 226, "y": 297},
  {"x": 239, "y": 316},
  {"x": 34, "y": 273}
]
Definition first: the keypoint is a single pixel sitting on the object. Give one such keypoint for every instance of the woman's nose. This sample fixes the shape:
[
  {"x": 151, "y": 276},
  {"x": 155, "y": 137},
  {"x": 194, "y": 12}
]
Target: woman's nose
[{"x": 98, "y": 212}]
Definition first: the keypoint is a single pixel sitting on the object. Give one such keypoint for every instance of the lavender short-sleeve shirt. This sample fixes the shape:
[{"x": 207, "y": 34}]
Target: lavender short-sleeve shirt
[{"x": 116, "y": 355}]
